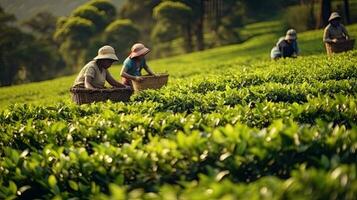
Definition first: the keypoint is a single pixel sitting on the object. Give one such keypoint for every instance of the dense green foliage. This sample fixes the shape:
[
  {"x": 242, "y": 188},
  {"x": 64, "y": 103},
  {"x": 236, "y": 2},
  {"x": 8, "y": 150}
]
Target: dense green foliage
[
  {"x": 253, "y": 51},
  {"x": 26, "y": 57},
  {"x": 121, "y": 34},
  {"x": 26, "y": 9},
  {"x": 79, "y": 35},
  {"x": 173, "y": 17},
  {"x": 43, "y": 47},
  {"x": 226, "y": 127},
  {"x": 196, "y": 24}
]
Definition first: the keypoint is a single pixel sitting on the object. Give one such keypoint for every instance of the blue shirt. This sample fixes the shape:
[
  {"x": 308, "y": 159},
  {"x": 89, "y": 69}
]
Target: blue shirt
[{"x": 131, "y": 67}]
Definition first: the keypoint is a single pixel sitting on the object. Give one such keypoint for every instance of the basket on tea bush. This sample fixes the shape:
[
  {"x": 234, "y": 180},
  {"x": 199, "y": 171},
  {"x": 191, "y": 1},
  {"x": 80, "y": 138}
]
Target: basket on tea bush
[
  {"x": 151, "y": 82},
  {"x": 83, "y": 95},
  {"x": 339, "y": 47}
]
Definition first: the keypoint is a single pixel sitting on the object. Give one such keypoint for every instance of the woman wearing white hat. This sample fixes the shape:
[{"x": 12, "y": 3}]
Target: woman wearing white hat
[
  {"x": 133, "y": 65},
  {"x": 94, "y": 74},
  {"x": 286, "y": 46},
  {"x": 335, "y": 31}
]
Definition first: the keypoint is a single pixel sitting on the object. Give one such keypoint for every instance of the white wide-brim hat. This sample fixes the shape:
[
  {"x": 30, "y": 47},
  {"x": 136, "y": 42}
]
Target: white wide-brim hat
[
  {"x": 291, "y": 34},
  {"x": 334, "y": 16},
  {"x": 138, "y": 49},
  {"x": 106, "y": 52}
]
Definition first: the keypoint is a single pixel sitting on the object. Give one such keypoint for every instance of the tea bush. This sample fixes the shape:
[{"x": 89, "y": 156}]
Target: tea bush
[{"x": 273, "y": 130}]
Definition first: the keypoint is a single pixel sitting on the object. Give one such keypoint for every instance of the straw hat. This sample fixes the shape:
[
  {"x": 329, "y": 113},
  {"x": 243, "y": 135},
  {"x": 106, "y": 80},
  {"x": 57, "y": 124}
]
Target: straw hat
[
  {"x": 106, "y": 52},
  {"x": 138, "y": 49},
  {"x": 333, "y": 16},
  {"x": 291, "y": 34}
]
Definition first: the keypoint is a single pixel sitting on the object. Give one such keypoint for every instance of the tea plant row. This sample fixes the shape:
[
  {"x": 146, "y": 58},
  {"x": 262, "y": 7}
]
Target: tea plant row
[{"x": 273, "y": 130}]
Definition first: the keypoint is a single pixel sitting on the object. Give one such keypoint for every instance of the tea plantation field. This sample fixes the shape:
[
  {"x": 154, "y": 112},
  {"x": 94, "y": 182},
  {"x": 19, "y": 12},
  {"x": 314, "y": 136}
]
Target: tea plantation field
[{"x": 230, "y": 125}]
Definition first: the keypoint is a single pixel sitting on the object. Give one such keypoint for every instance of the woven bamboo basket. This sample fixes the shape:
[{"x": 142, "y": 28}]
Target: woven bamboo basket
[
  {"x": 84, "y": 96},
  {"x": 151, "y": 82},
  {"x": 339, "y": 47}
]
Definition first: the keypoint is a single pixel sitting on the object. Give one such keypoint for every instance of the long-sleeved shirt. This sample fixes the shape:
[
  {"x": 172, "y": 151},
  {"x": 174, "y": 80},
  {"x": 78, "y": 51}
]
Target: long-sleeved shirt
[
  {"x": 294, "y": 45},
  {"x": 284, "y": 49},
  {"x": 335, "y": 32}
]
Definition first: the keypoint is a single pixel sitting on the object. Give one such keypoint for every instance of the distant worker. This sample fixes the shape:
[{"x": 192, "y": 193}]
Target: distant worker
[
  {"x": 286, "y": 46},
  {"x": 94, "y": 74},
  {"x": 133, "y": 64},
  {"x": 335, "y": 31}
]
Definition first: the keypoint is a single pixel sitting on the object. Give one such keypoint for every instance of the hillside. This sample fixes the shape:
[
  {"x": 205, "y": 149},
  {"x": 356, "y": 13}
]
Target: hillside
[
  {"x": 231, "y": 124},
  {"x": 249, "y": 53},
  {"x": 26, "y": 8}
]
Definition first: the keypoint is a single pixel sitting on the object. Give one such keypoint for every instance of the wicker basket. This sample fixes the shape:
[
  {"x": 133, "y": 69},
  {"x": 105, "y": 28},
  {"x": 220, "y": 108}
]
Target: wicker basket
[
  {"x": 151, "y": 82},
  {"x": 84, "y": 96},
  {"x": 339, "y": 47}
]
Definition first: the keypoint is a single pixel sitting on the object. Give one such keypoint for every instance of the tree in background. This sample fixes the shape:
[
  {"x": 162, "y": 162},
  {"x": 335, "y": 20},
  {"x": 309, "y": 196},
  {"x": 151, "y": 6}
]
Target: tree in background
[
  {"x": 40, "y": 60},
  {"x": 347, "y": 11},
  {"x": 93, "y": 14},
  {"x": 42, "y": 24},
  {"x": 23, "y": 56},
  {"x": 162, "y": 36},
  {"x": 325, "y": 11},
  {"x": 10, "y": 50},
  {"x": 198, "y": 11},
  {"x": 261, "y": 9},
  {"x": 225, "y": 19},
  {"x": 301, "y": 17},
  {"x": 73, "y": 39},
  {"x": 121, "y": 34},
  {"x": 311, "y": 23},
  {"x": 140, "y": 12},
  {"x": 76, "y": 29},
  {"x": 164, "y": 32},
  {"x": 197, "y": 20},
  {"x": 79, "y": 35},
  {"x": 106, "y": 7},
  {"x": 74, "y": 36},
  {"x": 217, "y": 16},
  {"x": 176, "y": 14},
  {"x": 221, "y": 17}
]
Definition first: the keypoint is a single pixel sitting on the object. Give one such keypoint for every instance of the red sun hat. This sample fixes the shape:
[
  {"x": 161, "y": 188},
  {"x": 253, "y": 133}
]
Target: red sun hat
[{"x": 138, "y": 49}]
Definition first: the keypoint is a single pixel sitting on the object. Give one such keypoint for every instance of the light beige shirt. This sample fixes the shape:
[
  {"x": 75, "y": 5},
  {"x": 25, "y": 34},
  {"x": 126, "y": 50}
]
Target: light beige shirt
[
  {"x": 91, "y": 69},
  {"x": 332, "y": 32}
]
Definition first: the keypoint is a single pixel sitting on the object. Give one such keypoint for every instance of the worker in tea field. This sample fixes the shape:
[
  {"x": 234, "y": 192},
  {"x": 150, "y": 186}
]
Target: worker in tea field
[
  {"x": 94, "y": 74},
  {"x": 335, "y": 31},
  {"x": 134, "y": 63},
  {"x": 286, "y": 46}
]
